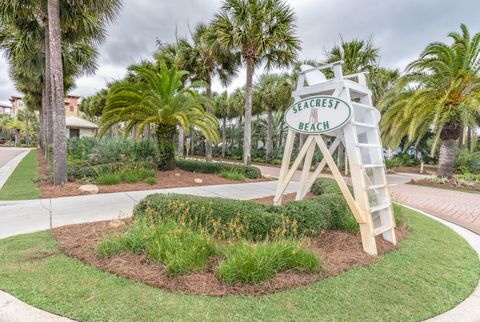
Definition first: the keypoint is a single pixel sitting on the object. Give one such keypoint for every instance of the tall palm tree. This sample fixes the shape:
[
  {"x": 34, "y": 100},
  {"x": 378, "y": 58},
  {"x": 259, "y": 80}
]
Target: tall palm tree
[
  {"x": 440, "y": 91},
  {"x": 264, "y": 32},
  {"x": 203, "y": 57},
  {"x": 274, "y": 93},
  {"x": 159, "y": 97},
  {"x": 223, "y": 110}
]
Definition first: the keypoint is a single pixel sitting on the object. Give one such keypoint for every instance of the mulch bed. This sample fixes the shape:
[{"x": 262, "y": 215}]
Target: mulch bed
[
  {"x": 165, "y": 179},
  {"x": 427, "y": 170},
  {"x": 340, "y": 251},
  {"x": 448, "y": 185}
]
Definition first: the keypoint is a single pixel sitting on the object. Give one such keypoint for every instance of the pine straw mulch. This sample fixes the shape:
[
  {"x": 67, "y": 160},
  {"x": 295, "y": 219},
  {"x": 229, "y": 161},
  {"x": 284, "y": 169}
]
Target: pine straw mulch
[
  {"x": 165, "y": 179},
  {"x": 451, "y": 184},
  {"x": 340, "y": 251}
]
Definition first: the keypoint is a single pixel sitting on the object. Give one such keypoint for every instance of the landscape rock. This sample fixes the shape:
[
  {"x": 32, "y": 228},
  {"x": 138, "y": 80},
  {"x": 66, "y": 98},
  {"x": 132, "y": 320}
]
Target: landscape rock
[
  {"x": 177, "y": 174},
  {"x": 198, "y": 180},
  {"x": 89, "y": 189}
]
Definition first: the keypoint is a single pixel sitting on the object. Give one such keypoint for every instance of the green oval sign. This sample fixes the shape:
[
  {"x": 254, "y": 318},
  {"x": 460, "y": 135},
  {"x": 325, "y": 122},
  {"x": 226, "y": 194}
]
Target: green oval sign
[{"x": 318, "y": 114}]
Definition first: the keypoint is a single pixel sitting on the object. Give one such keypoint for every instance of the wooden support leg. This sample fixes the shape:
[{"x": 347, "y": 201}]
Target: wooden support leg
[
  {"x": 368, "y": 240},
  {"x": 306, "y": 171},
  {"x": 287, "y": 154}
]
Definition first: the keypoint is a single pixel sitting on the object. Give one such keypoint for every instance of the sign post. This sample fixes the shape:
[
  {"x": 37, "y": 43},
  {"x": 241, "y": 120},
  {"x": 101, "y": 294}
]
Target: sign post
[{"x": 340, "y": 108}]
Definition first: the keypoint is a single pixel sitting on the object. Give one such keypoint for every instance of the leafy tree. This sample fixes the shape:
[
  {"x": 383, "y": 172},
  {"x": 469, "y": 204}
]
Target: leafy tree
[
  {"x": 440, "y": 91},
  {"x": 263, "y": 31},
  {"x": 158, "y": 97},
  {"x": 93, "y": 106}
]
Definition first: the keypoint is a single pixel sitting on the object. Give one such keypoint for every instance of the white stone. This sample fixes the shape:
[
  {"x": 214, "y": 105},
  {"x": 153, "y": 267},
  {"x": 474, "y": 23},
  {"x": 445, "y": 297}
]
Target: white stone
[
  {"x": 89, "y": 189},
  {"x": 177, "y": 174},
  {"x": 198, "y": 180}
]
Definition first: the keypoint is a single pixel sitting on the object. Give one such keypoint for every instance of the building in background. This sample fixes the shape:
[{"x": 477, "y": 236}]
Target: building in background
[
  {"x": 76, "y": 125},
  {"x": 5, "y": 109}
]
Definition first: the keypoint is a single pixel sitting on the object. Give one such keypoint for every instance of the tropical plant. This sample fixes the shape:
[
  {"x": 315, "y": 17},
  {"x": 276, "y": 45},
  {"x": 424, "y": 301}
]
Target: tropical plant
[
  {"x": 28, "y": 117},
  {"x": 274, "y": 93},
  {"x": 223, "y": 110},
  {"x": 263, "y": 31},
  {"x": 158, "y": 97},
  {"x": 440, "y": 91},
  {"x": 203, "y": 57}
]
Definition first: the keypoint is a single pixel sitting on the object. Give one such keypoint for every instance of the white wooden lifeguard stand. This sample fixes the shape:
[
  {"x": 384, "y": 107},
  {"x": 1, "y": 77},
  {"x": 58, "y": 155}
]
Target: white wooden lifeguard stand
[{"x": 371, "y": 204}]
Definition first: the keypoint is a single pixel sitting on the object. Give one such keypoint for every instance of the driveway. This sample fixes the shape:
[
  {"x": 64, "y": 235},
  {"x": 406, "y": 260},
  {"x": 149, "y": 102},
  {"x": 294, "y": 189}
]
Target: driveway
[{"x": 7, "y": 154}]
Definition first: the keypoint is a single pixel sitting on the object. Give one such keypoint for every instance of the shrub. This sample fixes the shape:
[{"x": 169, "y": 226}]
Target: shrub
[
  {"x": 181, "y": 249},
  {"x": 325, "y": 186},
  {"x": 259, "y": 160},
  {"x": 276, "y": 162},
  {"x": 250, "y": 172},
  {"x": 82, "y": 171},
  {"x": 240, "y": 219},
  {"x": 108, "y": 179},
  {"x": 403, "y": 159},
  {"x": 233, "y": 176},
  {"x": 467, "y": 162},
  {"x": 250, "y": 263},
  {"x": 151, "y": 180}
]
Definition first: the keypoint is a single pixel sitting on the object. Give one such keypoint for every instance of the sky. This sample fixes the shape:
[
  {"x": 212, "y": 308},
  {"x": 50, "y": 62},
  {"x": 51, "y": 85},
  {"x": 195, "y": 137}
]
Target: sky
[{"x": 400, "y": 29}]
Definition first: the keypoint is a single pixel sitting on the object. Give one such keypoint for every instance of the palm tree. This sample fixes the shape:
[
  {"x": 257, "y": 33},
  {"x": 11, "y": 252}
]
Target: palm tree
[
  {"x": 159, "y": 97},
  {"x": 203, "y": 57},
  {"x": 440, "y": 91},
  {"x": 223, "y": 110},
  {"x": 27, "y": 117},
  {"x": 264, "y": 32},
  {"x": 274, "y": 93}
]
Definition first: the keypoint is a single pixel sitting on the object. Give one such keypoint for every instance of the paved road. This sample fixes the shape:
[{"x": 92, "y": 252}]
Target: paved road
[
  {"x": 461, "y": 208},
  {"x": 7, "y": 154}
]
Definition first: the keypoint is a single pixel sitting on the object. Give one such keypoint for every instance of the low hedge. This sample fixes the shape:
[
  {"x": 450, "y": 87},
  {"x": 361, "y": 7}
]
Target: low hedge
[
  {"x": 79, "y": 171},
  {"x": 239, "y": 219},
  {"x": 248, "y": 171}
]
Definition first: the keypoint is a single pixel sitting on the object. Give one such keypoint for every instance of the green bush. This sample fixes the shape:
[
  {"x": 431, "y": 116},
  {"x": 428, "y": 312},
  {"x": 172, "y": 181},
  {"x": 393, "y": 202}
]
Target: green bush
[
  {"x": 402, "y": 160},
  {"x": 108, "y": 179},
  {"x": 240, "y": 219},
  {"x": 233, "y": 176},
  {"x": 93, "y": 151},
  {"x": 276, "y": 162},
  {"x": 467, "y": 162},
  {"x": 179, "y": 248},
  {"x": 250, "y": 172},
  {"x": 325, "y": 186},
  {"x": 80, "y": 171},
  {"x": 250, "y": 263},
  {"x": 151, "y": 180}
]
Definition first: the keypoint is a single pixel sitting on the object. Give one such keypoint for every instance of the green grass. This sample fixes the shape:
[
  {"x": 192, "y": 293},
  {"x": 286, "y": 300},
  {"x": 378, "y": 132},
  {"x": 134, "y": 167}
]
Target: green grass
[
  {"x": 232, "y": 176},
  {"x": 432, "y": 271},
  {"x": 109, "y": 179},
  {"x": 23, "y": 183},
  {"x": 254, "y": 263}
]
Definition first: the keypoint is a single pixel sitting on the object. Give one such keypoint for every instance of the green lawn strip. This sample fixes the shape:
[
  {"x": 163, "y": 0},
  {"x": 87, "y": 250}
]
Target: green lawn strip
[
  {"x": 22, "y": 184},
  {"x": 433, "y": 270}
]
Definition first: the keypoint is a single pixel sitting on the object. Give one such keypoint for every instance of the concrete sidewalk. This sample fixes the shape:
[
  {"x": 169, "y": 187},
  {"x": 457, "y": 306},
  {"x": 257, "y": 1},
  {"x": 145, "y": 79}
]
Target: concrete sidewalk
[{"x": 20, "y": 217}]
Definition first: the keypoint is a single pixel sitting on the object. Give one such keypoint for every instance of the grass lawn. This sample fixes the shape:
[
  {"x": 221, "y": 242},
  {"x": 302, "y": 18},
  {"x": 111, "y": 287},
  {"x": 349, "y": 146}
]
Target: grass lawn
[
  {"x": 22, "y": 184},
  {"x": 433, "y": 270}
]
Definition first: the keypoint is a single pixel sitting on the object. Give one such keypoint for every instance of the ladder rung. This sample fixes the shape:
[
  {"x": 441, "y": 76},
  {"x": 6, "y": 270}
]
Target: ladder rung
[
  {"x": 373, "y": 166},
  {"x": 368, "y": 145},
  {"x": 382, "y": 229},
  {"x": 372, "y": 126},
  {"x": 380, "y": 207},
  {"x": 377, "y": 186}
]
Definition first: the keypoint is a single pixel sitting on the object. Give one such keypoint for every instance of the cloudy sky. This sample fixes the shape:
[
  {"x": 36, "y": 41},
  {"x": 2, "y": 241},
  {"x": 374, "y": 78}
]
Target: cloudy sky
[{"x": 400, "y": 28}]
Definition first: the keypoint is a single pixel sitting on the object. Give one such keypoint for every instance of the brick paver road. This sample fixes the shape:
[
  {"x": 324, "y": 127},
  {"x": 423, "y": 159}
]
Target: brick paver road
[{"x": 461, "y": 208}]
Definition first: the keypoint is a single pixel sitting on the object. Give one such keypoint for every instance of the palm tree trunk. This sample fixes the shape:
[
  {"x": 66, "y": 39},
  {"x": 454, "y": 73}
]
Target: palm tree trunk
[
  {"x": 269, "y": 144},
  {"x": 48, "y": 92},
  {"x": 56, "y": 85},
  {"x": 27, "y": 132},
  {"x": 446, "y": 158},
  {"x": 469, "y": 138},
  {"x": 181, "y": 140},
  {"x": 208, "y": 145},
  {"x": 192, "y": 143},
  {"x": 247, "y": 136},
  {"x": 166, "y": 148},
  {"x": 224, "y": 136}
]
